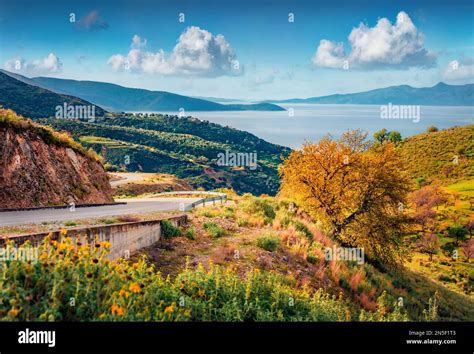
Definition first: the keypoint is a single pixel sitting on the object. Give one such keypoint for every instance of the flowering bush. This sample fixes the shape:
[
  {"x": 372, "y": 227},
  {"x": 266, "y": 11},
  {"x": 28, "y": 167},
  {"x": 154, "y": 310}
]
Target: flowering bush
[{"x": 74, "y": 282}]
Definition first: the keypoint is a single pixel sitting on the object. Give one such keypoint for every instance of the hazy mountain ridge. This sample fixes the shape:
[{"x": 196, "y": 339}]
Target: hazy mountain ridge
[
  {"x": 118, "y": 98},
  {"x": 439, "y": 95},
  {"x": 34, "y": 101}
]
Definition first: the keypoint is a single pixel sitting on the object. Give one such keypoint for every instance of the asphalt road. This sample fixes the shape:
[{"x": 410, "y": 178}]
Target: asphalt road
[{"x": 133, "y": 206}]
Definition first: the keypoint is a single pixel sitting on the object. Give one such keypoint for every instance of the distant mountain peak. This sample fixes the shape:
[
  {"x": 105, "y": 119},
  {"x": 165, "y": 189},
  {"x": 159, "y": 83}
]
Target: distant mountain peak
[{"x": 441, "y": 94}]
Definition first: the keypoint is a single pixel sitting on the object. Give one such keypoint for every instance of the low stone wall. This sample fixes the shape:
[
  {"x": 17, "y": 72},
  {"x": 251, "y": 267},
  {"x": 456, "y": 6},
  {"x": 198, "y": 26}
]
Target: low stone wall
[{"x": 126, "y": 238}]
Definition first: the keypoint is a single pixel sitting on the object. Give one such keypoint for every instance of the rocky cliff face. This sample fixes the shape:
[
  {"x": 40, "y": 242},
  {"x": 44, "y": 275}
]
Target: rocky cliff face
[{"x": 34, "y": 172}]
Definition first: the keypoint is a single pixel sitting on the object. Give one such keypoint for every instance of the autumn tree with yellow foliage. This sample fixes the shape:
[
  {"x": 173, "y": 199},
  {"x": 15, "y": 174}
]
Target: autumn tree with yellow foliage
[{"x": 356, "y": 189}]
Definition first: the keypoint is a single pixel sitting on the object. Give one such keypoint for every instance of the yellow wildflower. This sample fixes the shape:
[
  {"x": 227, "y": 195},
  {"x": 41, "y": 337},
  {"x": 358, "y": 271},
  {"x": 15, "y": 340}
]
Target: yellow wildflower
[
  {"x": 117, "y": 310},
  {"x": 169, "y": 309},
  {"x": 134, "y": 288},
  {"x": 124, "y": 293},
  {"x": 43, "y": 256},
  {"x": 13, "y": 312},
  {"x": 105, "y": 244},
  {"x": 62, "y": 246}
]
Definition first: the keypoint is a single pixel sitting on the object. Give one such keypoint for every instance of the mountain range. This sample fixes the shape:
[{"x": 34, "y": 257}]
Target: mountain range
[
  {"x": 33, "y": 101},
  {"x": 118, "y": 98},
  {"x": 38, "y": 97},
  {"x": 439, "y": 95},
  {"x": 109, "y": 96}
]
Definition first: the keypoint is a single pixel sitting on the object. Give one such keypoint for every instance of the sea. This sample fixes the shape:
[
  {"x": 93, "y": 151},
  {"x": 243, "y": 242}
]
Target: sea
[{"x": 311, "y": 122}]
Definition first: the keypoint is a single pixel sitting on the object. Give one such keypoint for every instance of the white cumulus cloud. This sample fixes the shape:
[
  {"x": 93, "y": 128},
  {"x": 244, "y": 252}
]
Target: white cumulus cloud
[
  {"x": 49, "y": 64},
  {"x": 329, "y": 54},
  {"x": 400, "y": 46},
  {"x": 197, "y": 52}
]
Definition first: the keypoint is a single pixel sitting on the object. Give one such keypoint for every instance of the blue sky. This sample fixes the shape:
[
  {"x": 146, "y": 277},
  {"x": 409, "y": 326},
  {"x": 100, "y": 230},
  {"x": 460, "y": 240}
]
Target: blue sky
[{"x": 242, "y": 49}]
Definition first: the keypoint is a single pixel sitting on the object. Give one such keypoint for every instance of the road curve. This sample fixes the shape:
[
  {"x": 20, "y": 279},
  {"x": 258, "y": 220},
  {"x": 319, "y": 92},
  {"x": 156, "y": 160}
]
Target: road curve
[{"x": 133, "y": 206}]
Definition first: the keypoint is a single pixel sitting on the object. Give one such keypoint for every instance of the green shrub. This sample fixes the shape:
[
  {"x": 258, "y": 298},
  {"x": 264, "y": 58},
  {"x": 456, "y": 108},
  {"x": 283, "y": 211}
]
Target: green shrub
[
  {"x": 446, "y": 278},
  {"x": 421, "y": 181},
  {"x": 449, "y": 248},
  {"x": 286, "y": 220},
  {"x": 190, "y": 233},
  {"x": 312, "y": 259},
  {"x": 229, "y": 212},
  {"x": 343, "y": 283},
  {"x": 258, "y": 207},
  {"x": 303, "y": 229},
  {"x": 457, "y": 232},
  {"x": 383, "y": 313},
  {"x": 214, "y": 230},
  {"x": 168, "y": 230},
  {"x": 269, "y": 243},
  {"x": 242, "y": 222}
]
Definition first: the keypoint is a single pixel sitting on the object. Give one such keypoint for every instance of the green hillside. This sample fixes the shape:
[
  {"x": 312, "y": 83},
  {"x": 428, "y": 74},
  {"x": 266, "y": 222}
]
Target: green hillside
[
  {"x": 33, "y": 101},
  {"x": 185, "y": 147},
  {"x": 118, "y": 98},
  {"x": 446, "y": 155}
]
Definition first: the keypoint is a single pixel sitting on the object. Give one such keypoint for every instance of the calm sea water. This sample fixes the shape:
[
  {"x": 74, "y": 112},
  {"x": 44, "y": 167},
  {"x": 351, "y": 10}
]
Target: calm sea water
[{"x": 310, "y": 122}]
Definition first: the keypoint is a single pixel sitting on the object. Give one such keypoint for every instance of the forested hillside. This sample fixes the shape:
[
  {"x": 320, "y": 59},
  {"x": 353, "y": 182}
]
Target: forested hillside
[
  {"x": 118, "y": 98},
  {"x": 186, "y": 147},
  {"x": 33, "y": 101}
]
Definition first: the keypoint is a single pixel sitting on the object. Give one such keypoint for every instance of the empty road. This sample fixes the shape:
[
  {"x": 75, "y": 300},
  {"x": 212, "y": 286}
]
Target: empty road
[{"x": 133, "y": 206}]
